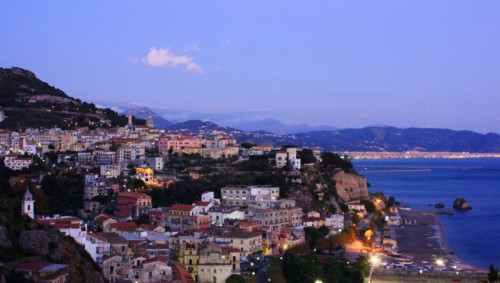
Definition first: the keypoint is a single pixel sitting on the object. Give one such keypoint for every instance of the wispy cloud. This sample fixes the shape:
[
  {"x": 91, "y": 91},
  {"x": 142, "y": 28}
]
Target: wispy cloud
[
  {"x": 163, "y": 57},
  {"x": 132, "y": 60},
  {"x": 192, "y": 47}
]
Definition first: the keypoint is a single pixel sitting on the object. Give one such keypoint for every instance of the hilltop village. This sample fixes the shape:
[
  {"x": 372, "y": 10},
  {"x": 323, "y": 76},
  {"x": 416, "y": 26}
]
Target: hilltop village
[{"x": 154, "y": 206}]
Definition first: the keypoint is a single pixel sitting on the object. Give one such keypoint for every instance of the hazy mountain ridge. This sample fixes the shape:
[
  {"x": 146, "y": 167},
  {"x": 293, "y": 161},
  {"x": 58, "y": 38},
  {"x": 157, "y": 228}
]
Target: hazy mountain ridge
[
  {"x": 277, "y": 127},
  {"x": 365, "y": 139}
]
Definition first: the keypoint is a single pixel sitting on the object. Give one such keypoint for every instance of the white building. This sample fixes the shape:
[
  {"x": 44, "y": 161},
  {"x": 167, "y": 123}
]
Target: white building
[
  {"x": 17, "y": 163},
  {"x": 335, "y": 221},
  {"x": 241, "y": 195},
  {"x": 155, "y": 162},
  {"x": 288, "y": 156},
  {"x": 111, "y": 171}
]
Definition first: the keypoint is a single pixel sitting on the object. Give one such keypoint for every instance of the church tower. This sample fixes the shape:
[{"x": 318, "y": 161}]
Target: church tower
[
  {"x": 149, "y": 122},
  {"x": 28, "y": 204}
]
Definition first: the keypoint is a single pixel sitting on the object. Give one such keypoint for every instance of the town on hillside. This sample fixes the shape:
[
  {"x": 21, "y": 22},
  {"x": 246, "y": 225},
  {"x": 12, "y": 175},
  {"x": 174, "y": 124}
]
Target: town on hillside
[{"x": 150, "y": 205}]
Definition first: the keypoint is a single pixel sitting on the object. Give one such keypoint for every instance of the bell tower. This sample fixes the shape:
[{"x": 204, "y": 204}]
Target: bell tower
[{"x": 28, "y": 204}]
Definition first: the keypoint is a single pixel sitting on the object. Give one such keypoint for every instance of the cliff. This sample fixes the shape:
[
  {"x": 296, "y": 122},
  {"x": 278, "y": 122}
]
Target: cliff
[{"x": 350, "y": 186}]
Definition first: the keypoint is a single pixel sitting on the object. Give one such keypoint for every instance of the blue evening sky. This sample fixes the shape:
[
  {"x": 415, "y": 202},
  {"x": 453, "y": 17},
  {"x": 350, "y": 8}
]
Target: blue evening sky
[{"x": 341, "y": 63}]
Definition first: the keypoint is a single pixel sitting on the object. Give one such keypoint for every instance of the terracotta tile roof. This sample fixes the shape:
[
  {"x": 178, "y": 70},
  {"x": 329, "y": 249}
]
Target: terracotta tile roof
[
  {"x": 147, "y": 227},
  {"x": 241, "y": 235},
  {"x": 231, "y": 249},
  {"x": 124, "y": 226},
  {"x": 153, "y": 259},
  {"x": 97, "y": 236},
  {"x": 58, "y": 220},
  {"x": 181, "y": 207},
  {"x": 35, "y": 265},
  {"x": 181, "y": 273},
  {"x": 101, "y": 218},
  {"x": 133, "y": 195},
  {"x": 203, "y": 203}
]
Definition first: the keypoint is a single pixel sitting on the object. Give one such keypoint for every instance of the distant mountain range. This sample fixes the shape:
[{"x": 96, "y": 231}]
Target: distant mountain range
[
  {"x": 365, "y": 139},
  {"x": 29, "y": 102}
]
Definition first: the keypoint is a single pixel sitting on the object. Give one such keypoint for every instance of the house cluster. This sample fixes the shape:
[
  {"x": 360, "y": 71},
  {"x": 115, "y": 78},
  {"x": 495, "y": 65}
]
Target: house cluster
[
  {"x": 199, "y": 242},
  {"x": 203, "y": 241},
  {"x": 112, "y": 149}
]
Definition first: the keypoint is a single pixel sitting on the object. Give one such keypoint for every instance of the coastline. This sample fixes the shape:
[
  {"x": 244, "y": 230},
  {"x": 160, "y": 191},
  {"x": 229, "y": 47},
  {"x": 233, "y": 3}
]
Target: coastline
[{"x": 424, "y": 240}]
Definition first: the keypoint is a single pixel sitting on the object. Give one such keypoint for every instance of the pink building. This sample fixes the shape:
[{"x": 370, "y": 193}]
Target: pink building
[
  {"x": 179, "y": 143},
  {"x": 132, "y": 204}
]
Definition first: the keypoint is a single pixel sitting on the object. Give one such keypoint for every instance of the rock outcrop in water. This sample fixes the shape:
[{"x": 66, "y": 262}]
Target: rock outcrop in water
[{"x": 461, "y": 204}]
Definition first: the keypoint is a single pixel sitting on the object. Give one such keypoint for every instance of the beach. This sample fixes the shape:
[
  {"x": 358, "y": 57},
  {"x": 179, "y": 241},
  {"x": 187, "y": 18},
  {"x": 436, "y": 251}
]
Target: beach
[{"x": 425, "y": 242}]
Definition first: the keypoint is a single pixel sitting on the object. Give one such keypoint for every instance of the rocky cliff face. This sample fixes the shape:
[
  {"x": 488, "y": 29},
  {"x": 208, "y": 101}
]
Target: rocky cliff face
[{"x": 350, "y": 187}]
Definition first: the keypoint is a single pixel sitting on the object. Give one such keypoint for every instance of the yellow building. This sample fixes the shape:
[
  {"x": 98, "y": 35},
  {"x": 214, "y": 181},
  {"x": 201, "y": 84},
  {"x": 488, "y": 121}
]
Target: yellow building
[
  {"x": 188, "y": 256},
  {"x": 145, "y": 174}
]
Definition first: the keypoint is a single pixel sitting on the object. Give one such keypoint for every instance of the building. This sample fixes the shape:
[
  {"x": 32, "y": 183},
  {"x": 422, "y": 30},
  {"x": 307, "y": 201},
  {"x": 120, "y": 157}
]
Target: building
[
  {"x": 246, "y": 243},
  {"x": 188, "y": 256},
  {"x": 145, "y": 174},
  {"x": 286, "y": 157},
  {"x": 42, "y": 271},
  {"x": 216, "y": 264},
  {"x": 69, "y": 226},
  {"x": 130, "y": 204},
  {"x": 17, "y": 163},
  {"x": 182, "y": 217},
  {"x": 335, "y": 222},
  {"x": 241, "y": 195},
  {"x": 111, "y": 171}
]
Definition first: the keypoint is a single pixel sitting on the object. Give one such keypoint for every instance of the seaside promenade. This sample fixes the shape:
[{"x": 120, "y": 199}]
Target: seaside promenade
[{"x": 424, "y": 242}]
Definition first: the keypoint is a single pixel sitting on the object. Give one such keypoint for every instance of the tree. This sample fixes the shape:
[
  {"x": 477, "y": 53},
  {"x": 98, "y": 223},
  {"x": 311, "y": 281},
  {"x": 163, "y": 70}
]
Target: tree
[
  {"x": 235, "y": 278},
  {"x": 370, "y": 207},
  {"x": 246, "y": 145},
  {"x": 307, "y": 156},
  {"x": 493, "y": 274}
]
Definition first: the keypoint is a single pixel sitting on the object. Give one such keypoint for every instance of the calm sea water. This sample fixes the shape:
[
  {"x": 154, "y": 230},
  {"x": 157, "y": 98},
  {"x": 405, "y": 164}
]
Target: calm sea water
[{"x": 418, "y": 183}]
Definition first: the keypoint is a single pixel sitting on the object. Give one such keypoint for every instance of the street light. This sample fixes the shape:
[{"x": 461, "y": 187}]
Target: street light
[
  {"x": 318, "y": 281},
  {"x": 374, "y": 260},
  {"x": 439, "y": 263}
]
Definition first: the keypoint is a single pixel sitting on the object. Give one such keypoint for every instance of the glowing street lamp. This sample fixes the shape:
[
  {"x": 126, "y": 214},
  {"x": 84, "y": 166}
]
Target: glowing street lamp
[
  {"x": 439, "y": 263},
  {"x": 375, "y": 261}
]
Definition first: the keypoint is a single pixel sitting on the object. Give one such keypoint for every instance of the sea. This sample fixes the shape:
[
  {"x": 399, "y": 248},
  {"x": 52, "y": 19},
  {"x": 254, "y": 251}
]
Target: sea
[{"x": 421, "y": 183}]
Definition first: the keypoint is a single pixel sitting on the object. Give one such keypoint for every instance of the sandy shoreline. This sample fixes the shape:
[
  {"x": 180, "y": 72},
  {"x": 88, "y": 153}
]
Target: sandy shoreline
[{"x": 424, "y": 240}]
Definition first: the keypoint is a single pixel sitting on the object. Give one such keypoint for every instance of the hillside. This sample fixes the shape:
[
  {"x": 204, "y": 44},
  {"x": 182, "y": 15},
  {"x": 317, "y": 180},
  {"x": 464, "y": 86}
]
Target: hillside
[{"x": 29, "y": 102}]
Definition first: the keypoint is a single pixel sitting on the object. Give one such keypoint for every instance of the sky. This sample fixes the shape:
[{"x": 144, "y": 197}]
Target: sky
[{"x": 348, "y": 64}]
